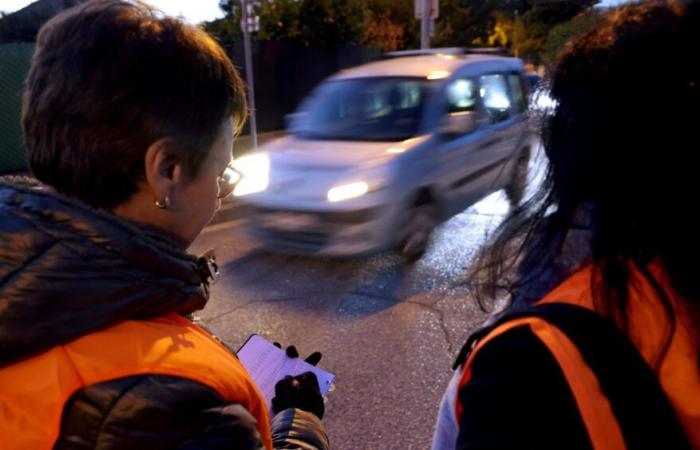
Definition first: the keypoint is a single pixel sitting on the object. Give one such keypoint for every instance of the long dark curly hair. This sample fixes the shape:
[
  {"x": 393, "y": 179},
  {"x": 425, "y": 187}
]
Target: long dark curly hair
[{"x": 621, "y": 144}]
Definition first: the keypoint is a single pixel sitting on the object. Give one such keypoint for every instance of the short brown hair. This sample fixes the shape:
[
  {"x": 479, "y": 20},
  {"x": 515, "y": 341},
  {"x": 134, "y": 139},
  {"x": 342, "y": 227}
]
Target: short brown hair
[{"x": 108, "y": 79}]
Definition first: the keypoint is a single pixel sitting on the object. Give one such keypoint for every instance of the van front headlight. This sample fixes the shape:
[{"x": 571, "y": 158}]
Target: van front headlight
[
  {"x": 358, "y": 182},
  {"x": 347, "y": 191},
  {"x": 255, "y": 173}
]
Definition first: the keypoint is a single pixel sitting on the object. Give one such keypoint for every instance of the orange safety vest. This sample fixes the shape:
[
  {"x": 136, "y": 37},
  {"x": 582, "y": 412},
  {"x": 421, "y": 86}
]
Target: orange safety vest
[
  {"x": 678, "y": 376},
  {"x": 34, "y": 392}
]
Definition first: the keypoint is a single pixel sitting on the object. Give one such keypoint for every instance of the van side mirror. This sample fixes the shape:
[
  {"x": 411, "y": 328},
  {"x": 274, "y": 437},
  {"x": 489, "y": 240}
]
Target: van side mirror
[{"x": 458, "y": 123}]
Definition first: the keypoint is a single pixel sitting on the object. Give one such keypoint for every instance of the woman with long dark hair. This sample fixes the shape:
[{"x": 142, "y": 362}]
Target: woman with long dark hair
[{"x": 599, "y": 346}]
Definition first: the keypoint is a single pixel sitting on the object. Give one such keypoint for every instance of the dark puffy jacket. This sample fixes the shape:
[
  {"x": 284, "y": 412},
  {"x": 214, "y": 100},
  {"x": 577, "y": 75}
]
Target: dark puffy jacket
[{"x": 67, "y": 270}]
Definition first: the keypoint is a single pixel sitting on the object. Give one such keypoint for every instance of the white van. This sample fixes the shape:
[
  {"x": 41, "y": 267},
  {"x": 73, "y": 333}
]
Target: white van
[{"x": 379, "y": 155}]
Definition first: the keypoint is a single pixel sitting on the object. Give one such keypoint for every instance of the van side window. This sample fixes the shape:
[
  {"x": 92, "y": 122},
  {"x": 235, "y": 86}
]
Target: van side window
[
  {"x": 517, "y": 93},
  {"x": 409, "y": 94},
  {"x": 493, "y": 91},
  {"x": 461, "y": 95}
]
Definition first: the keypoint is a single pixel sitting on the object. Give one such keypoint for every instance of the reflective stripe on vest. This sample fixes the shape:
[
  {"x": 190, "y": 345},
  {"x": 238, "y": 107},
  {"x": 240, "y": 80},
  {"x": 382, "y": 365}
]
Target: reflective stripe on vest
[
  {"x": 33, "y": 392},
  {"x": 594, "y": 407}
]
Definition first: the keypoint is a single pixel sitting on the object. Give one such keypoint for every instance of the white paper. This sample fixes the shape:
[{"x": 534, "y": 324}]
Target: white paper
[{"x": 268, "y": 364}]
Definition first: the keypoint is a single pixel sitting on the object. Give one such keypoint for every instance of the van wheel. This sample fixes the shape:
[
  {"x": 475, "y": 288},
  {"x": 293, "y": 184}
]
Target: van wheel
[
  {"x": 422, "y": 220},
  {"x": 515, "y": 190}
]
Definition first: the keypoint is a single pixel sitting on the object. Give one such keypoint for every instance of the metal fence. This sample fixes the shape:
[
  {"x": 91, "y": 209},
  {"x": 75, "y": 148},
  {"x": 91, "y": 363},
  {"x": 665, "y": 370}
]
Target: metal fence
[
  {"x": 14, "y": 64},
  {"x": 285, "y": 73}
]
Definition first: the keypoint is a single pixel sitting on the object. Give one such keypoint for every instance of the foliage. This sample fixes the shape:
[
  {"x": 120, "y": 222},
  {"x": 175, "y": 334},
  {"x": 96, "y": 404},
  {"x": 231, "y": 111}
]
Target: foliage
[
  {"x": 563, "y": 32},
  {"x": 381, "y": 33},
  {"x": 502, "y": 33},
  {"x": 531, "y": 29}
]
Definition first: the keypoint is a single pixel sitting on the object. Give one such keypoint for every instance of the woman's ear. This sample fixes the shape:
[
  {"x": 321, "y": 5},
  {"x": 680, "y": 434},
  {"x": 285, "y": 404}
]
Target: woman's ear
[{"x": 163, "y": 170}]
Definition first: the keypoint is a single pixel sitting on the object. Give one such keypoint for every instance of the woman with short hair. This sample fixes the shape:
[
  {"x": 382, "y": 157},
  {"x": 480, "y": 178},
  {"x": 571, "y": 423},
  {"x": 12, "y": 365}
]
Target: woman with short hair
[{"x": 128, "y": 119}]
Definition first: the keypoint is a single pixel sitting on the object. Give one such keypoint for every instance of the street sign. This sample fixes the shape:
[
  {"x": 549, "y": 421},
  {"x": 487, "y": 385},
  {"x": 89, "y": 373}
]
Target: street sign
[
  {"x": 249, "y": 18},
  {"x": 434, "y": 9},
  {"x": 253, "y": 24}
]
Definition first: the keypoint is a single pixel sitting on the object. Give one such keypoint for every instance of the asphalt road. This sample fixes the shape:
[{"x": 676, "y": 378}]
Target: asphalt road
[{"x": 388, "y": 331}]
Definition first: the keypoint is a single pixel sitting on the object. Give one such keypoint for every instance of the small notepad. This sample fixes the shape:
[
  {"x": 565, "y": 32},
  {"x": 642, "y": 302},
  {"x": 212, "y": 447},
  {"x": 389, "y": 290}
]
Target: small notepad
[{"x": 267, "y": 364}]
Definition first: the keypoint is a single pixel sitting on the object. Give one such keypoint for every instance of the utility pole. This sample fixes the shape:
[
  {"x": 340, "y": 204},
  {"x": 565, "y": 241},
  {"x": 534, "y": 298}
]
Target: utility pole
[
  {"x": 250, "y": 23},
  {"x": 425, "y": 25}
]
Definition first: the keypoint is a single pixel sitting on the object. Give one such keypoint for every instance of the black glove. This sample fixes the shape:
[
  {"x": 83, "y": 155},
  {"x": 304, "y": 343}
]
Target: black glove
[
  {"x": 292, "y": 352},
  {"x": 301, "y": 391}
]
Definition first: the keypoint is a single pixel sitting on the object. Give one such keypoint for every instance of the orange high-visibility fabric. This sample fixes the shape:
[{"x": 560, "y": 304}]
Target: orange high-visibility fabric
[
  {"x": 648, "y": 326},
  {"x": 594, "y": 407},
  {"x": 33, "y": 392}
]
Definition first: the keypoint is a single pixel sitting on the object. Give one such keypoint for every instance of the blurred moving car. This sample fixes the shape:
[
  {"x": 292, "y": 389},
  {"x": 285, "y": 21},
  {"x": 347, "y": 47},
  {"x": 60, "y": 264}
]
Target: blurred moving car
[{"x": 379, "y": 155}]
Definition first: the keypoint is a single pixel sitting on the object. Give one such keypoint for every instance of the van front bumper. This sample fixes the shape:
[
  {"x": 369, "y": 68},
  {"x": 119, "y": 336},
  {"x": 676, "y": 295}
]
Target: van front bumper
[{"x": 334, "y": 233}]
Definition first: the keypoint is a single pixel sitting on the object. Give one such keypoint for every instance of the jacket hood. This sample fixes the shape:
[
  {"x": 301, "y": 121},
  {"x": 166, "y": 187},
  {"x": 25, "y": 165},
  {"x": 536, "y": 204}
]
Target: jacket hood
[{"x": 67, "y": 270}]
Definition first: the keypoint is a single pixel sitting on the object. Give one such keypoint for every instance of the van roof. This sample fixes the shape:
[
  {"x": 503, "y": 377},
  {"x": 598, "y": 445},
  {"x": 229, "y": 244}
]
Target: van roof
[{"x": 432, "y": 66}]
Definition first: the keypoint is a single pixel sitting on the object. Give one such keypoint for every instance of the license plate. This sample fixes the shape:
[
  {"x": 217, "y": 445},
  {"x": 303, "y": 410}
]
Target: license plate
[{"x": 289, "y": 221}]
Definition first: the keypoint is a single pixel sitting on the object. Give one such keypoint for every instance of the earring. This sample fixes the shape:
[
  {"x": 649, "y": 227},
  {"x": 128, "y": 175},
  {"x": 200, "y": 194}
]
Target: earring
[{"x": 165, "y": 204}]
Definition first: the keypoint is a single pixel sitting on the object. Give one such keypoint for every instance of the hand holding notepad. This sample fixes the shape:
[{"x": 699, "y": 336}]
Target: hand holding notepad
[{"x": 268, "y": 364}]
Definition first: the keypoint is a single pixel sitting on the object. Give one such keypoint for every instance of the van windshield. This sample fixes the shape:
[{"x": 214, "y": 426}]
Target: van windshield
[{"x": 364, "y": 109}]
